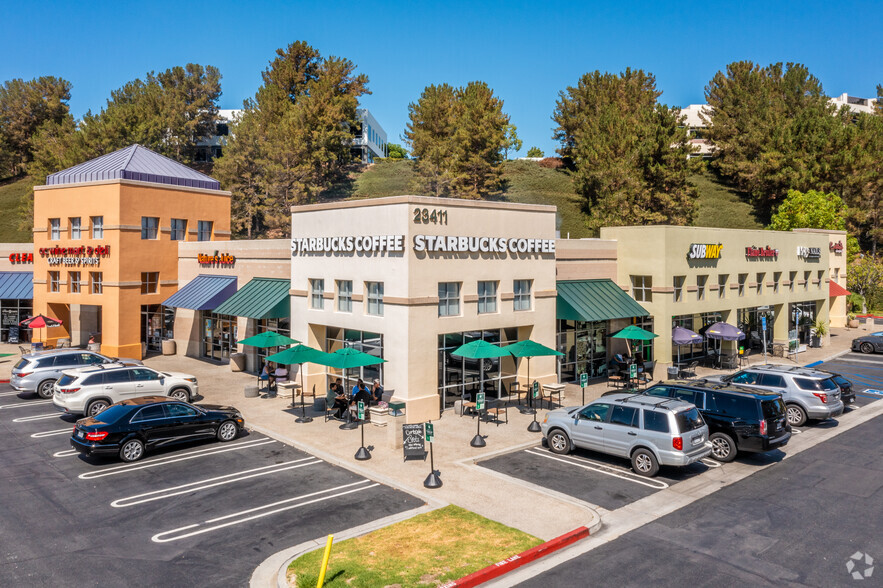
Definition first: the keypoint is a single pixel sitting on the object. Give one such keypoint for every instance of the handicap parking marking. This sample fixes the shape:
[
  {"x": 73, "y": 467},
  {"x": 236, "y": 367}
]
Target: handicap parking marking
[
  {"x": 20, "y": 404},
  {"x": 65, "y": 453},
  {"x": 42, "y": 434},
  {"x": 603, "y": 469},
  {"x": 39, "y": 417},
  {"x": 160, "y": 461},
  {"x": 260, "y": 512},
  {"x": 213, "y": 482},
  {"x": 872, "y": 391}
]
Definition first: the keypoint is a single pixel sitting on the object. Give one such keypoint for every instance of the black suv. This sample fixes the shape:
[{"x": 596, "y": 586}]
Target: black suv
[{"x": 739, "y": 419}]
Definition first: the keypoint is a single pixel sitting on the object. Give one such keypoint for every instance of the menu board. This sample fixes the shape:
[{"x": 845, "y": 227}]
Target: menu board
[{"x": 413, "y": 441}]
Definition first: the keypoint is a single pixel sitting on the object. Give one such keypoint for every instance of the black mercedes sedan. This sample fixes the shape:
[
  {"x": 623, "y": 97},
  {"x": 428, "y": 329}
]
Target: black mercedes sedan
[{"x": 131, "y": 427}]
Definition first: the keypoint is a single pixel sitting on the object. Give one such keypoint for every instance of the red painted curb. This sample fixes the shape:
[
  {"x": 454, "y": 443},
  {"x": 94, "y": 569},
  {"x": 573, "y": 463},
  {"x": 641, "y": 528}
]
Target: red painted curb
[
  {"x": 516, "y": 561},
  {"x": 4, "y": 381}
]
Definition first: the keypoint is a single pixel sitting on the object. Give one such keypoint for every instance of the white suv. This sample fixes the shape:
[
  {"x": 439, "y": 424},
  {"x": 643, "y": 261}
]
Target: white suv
[{"x": 90, "y": 390}]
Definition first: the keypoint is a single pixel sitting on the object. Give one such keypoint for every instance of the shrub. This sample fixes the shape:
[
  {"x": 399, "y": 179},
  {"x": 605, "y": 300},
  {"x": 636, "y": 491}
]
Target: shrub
[{"x": 552, "y": 162}]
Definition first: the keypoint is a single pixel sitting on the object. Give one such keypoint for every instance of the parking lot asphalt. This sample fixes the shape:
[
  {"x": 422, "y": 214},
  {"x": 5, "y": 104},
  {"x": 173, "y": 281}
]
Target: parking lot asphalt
[
  {"x": 797, "y": 523},
  {"x": 864, "y": 371},
  {"x": 196, "y": 514}
]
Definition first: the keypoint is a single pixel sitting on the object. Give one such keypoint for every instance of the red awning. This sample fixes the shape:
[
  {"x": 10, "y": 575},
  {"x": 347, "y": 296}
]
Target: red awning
[{"x": 835, "y": 289}]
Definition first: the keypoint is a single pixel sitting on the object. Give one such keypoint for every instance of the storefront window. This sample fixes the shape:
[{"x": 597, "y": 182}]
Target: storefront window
[
  {"x": 317, "y": 294},
  {"x": 449, "y": 299},
  {"x": 219, "y": 335},
  {"x": 98, "y": 227},
  {"x": 686, "y": 352},
  {"x": 459, "y": 377},
  {"x": 375, "y": 298},
  {"x": 522, "y": 294},
  {"x": 803, "y": 315},
  {"x": 751, "y": 323},
  {"x": 584, "y": 345},
  {"x": 487, "y": 297},
  {"x": 642, "y": 288},
  {"x": 149, "y": 227},
  {"x": 364, "y": 341},
  {"x": 344, "y": 295},
  {"x": 707, "y": 319},
  {"x": 12, "y": 312},
  {"x": 644, "y": 347},
  {"x": 154, "y": 325},
  {"x": 76, "y": 233},
  {"x": 281, "y": 326}
]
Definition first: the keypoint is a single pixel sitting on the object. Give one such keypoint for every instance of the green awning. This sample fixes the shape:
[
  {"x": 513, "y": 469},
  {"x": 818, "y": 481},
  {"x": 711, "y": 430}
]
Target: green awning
[
  {"x": 595, "y": 300},
  {"x": 260, "y": 298}
]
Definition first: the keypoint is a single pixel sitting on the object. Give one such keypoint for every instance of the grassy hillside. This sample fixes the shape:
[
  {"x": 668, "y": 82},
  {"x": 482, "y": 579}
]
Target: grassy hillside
[
  {"x": 528, "y": 183},
  {"x": 722, "y": 206},
  {"x": 10, "y": 199}
]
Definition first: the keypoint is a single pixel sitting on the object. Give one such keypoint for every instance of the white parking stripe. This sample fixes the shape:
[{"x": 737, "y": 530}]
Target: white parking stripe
[
  {"x": 66, "y": 430},
  {"x": 20, "y": 404},
  {"x": 711, "y": 463},
  {"x": 175, "y": 458},
  {"x": 167, "y": 536},
  {"x": 607, "y": 470},
  {"x": 13, "y": 393},
  {"x": 212, "y": 482},
  {"x": 38, "y": 417},
  {"x": 65, "y": 453}
]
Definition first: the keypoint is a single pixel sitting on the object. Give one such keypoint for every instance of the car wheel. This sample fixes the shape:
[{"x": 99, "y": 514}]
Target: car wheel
[
  {"x": 866, "y": 347},
  {"x": 227, "y": 431},
  {"x": 644, "y": 463},
  {"x": 796, "y": 415},
  {"x": 95, "y": 407},
  {"x": 45, "y": 388},
  {"x": 180, "y": 394},
  {"x": 132, "y": 450},
  {"x": 723, "y": 448},
  {"x": 559, "y": 442}
]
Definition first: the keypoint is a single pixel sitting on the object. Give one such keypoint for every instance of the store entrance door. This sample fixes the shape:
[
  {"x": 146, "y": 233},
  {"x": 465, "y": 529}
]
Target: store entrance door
[{"x": 219, "y": 335}]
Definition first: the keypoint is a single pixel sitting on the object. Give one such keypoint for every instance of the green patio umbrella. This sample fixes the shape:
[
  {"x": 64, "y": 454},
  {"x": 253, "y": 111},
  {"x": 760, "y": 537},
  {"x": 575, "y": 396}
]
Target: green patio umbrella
[
  {"x": 481, "y": 350},
  {"x": 299, "y": 355},
  {"x": 528, "y": 349},
  {"x": 633, "y": 333},
  {"x": 350, "y": 357},
  {"x": 265, "y": 340}
]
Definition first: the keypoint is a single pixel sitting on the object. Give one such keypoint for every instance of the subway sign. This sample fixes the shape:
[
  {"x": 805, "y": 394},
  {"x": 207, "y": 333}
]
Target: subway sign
[{"x": 705, "y": 251}]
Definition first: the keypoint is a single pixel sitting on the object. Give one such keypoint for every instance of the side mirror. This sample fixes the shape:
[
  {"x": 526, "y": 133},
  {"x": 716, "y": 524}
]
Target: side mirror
[{"x": 162, "y": 380}]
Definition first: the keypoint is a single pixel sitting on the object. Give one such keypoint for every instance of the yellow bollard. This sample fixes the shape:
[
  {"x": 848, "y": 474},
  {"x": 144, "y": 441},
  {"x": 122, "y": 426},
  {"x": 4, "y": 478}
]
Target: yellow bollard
[{"x": 325, "y": 557}]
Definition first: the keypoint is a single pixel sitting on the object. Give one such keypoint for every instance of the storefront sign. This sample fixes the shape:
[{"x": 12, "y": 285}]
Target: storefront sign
[
  {"x": 216, "y": 259},
  {"x": 412, "y": 440},
  {"x": 21, "y": 258},
  {"x": 422, "y": 243},
  {"x": 9, "y": 317},
  {"x": 809, "y": 252},
  {"x": 759, "y": 252},
  {"x": 75, "y": 255},
  {"x": 836, "y": 247},
  {"x": 705, "y": 251}
]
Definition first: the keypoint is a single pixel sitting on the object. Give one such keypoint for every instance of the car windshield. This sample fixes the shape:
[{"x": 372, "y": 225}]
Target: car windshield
[
  {"x": 773, "y": 409},
  {"x": 66, "y": 379},
  {"x": 826, "y": 385},
  {"x": 21, "y": 363},
  {"x": 689, "y": 420},
  {"x": 113, "y": 413}
]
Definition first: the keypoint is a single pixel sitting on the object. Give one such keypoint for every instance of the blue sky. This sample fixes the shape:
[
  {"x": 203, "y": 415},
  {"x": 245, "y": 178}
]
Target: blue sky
[{"x": 526, "y": 51}]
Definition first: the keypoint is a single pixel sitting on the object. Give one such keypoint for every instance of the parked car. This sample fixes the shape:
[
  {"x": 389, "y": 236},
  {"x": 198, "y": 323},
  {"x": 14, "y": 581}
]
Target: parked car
[
  {"x": 847, "y": 394},
  {"x": 808, "y": 393},
  {"x": 134, "y": 426},
  {"x": 649, "y": 431},
  {"x": 870, "y": 343},
  {"x": 739, "y": 419},
  {"x": 90, "y": 390},
  {"x": 38, "y": 371}
]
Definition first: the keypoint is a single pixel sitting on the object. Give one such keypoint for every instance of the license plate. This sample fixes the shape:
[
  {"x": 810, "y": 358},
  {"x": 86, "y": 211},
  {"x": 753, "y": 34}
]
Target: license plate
[
  {"x": 697, "y": 440},
  {"x": 80, "y": 434}
]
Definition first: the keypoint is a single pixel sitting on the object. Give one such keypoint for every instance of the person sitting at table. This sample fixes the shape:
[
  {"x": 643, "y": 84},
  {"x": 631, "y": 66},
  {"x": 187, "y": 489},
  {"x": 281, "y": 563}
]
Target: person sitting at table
[
  {"x": 360, "y": 394},
  {"x": 376, "y": 392},
  {"x": 336, "y": 399},
  {"x": 280, "y": 374},
  {"x": 267, "y": 373}
]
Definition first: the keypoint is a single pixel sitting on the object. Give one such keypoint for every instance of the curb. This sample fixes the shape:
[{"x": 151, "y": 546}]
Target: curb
[{"x": 516, "y": 561}]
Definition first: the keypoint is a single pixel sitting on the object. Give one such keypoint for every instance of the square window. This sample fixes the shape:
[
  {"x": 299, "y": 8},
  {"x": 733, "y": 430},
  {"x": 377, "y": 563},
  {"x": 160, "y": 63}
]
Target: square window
[
  {"x": 487, "y": 297},
  {"x": 375, "y": 298},
  {"x": 98, "y": 227},
  {"x": 317, "y": 294},
  {"x": 344, "y": 295},
  {"x": 149, "y": 227},
  {"x": 149, "y": 282},
  {"x": 449, "y": 299},
  {"x": 179, "y": 229},
  {"x": 522, "y": 294},
  {"x": 642, "y": 288}
]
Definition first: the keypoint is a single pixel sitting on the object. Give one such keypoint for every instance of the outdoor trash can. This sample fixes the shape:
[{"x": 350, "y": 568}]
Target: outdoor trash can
[
  {"x": 237, "y": 362},
  {"x": 168, "y": 347},
  {"x": 251, "y": 391},
  {"x": 672, "y": 372}
]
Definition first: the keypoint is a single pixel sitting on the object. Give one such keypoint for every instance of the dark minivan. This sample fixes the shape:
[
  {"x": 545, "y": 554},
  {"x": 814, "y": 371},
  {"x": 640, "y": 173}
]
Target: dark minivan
[{"x": 739, "y": 419}]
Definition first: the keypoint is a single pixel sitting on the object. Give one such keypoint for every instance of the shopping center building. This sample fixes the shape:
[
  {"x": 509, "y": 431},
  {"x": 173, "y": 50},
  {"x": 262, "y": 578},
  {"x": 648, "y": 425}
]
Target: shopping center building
[{"x": 134, "y": 248}]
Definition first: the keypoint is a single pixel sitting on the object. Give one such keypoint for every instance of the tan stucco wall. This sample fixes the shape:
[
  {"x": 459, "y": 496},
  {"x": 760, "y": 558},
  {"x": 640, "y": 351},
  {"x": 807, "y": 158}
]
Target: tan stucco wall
[
  {"x": 836, "y": 272},
  {"x": 21, "y": 250},
  {"x": 661, "y": 252},
  {"x": 585, "y": 259},
  {"x": 411, "y": 325}
]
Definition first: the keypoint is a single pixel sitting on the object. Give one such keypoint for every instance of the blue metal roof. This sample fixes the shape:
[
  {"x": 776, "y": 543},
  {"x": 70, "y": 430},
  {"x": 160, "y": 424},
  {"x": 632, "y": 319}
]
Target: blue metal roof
[
  {"x": 17, "y": 285},
  {"x": 134, "y": 163},
  {"x": 204, "y": 292}
]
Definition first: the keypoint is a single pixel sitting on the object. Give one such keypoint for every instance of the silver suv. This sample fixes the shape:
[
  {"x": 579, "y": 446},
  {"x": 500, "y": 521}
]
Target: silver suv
[
  {"x": 37, "y": 372},
  {"x": 651, "y": 431},
  {"x": 808, "y": 393}
]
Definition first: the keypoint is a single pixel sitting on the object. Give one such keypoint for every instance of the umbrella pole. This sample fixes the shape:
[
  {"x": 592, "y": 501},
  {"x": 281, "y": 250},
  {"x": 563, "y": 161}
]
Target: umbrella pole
[
  {"x": 478, "y": 440},
  {"x": 303, "y": 409},
  {"x": 534, "y": 426}
]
